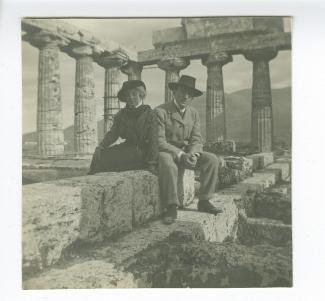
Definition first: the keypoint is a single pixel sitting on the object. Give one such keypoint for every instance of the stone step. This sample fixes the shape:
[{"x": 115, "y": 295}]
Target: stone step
[
  {"x": 90, "y": 208},
  {"x": 253, "y": 231},
  {"x": 94, "y": 265},
  {"x": 273, "y": 205}
]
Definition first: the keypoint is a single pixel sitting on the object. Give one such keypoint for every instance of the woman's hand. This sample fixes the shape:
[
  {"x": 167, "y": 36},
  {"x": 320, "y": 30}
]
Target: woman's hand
[{"x": 153, "y": 169}]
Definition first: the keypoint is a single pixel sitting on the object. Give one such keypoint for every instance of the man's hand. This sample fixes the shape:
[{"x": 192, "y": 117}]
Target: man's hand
[
  {"x": 188, "y": 160},
  {"x": 153, "y": 169}
]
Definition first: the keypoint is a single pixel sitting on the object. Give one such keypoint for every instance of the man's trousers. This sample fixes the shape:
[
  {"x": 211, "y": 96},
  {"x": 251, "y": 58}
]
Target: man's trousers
[{"x": 170, "y": 173}]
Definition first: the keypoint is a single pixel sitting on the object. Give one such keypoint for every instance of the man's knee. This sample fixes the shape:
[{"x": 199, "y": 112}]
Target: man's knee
[
  {"x": 166, "y": 161},
  {"x": 210, "y": 158}
]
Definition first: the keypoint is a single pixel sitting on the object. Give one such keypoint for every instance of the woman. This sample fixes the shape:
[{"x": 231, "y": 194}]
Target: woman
[{"x": 136, "y": 123}]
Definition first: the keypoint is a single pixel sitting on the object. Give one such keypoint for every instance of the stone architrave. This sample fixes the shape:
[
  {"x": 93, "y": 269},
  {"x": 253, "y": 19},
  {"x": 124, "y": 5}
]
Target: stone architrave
[
  {"x": 50, "y": 136},
  {"x": 133, "y": 70},
  {"x": 85, "y": 122},
  {"x": 172, "y": 67},
  {"x": 215, "y": 97},
  {"x": 262, "y": 118},
  {"x": 112, "y": 65}
]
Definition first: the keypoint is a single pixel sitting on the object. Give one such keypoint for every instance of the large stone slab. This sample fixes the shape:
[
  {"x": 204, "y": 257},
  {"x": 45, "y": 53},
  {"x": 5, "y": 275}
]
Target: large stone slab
[
  {"x": 98, "y": 266},
  {"x": 58, "y": 214},
  {"x": 217, "y": 228},
  {"x": 54, "y": 217},
  {"x": 252, "y": 231}
]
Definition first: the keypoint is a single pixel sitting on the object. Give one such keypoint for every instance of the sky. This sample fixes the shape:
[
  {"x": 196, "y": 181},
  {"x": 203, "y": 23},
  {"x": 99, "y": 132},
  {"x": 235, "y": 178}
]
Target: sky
[{"x": 136, "y": 34}]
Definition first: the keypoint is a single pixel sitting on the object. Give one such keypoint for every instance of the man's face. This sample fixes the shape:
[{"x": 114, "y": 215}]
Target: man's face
[
  {"x": 132, "y": 97},
  {"x": 182, "y": 97}
]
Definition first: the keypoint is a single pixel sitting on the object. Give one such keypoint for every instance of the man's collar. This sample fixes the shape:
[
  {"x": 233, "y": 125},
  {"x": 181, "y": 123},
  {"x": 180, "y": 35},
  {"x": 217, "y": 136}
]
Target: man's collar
[{"x": 177, "y": 106}]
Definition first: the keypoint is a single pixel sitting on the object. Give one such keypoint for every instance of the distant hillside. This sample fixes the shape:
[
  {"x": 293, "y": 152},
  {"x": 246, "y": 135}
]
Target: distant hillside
[
  {"x": 238, "y": 117},
  {"x": 238, "y": 113}
]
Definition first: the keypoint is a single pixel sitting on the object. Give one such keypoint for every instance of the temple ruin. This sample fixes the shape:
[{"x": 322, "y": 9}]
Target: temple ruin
[{"x": 66, "y": 211}]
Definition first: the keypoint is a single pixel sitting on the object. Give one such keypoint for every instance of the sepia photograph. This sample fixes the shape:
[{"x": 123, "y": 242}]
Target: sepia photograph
[{"x": 156, "y": 152}]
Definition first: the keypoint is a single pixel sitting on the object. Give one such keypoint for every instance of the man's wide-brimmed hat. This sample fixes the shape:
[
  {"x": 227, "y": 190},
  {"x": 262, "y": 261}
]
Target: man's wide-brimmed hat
[
  {"x": 188, "y": 82},
  {"x": 129, "y": 84}
]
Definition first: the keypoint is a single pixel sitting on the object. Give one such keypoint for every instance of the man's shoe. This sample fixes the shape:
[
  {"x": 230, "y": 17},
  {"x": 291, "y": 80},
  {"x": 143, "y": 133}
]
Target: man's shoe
[
  {"x": 206, "y": 206},
  {"x": 170, "y": 215}
]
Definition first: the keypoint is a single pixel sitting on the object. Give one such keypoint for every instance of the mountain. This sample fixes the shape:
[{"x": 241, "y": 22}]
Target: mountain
[
  {"x": 238, "y": 117},
  {"x": 238, "y": 113}
]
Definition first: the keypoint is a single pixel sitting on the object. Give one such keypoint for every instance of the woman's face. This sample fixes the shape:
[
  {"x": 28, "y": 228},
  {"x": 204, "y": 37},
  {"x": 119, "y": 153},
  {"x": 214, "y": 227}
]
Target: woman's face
[{"x": 133, "y": 97}]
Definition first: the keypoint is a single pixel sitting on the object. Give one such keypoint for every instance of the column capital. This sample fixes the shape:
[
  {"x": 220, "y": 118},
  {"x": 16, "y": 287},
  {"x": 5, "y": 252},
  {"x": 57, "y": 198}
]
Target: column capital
[
  {"x": 217, "y": 58},
  {"x": 132, "y": 68},
  {"x": 266, "y": 54},
  {"x": 173, "y": 63},
  {"x": 46, "y": 38},
  {"x": 110, "y": 60},
  {"x": 80, "y": 51}
]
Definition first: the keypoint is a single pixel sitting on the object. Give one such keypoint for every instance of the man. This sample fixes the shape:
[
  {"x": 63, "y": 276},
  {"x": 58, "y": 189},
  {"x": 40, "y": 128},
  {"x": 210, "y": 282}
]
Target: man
[
  {"x": 180, "y": 146},
  {"x": 136, "y": 123}
]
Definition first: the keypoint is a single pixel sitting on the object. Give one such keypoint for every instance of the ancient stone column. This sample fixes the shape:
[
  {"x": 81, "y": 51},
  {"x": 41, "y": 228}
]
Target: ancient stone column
[
  {"x": 172, "y": 67},
  {"x": 112, "y": 66},
  {"x": 85, "y": 122},
  {"x": 262, "y": 119},
  {"x": 215, "y": 97},
  {"x": 50, "y": 136},
  {"x": 133, "y": 70}
]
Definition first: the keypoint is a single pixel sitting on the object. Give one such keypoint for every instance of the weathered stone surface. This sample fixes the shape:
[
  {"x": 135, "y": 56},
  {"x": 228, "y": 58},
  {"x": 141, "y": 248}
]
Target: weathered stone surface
[
  {"x": 252, "y": 231},
  {"x": 215, "y": 96},
  {"x": 54, "y": 217},
  {"x": 186, "y": 187},
  {"x": 261, "y": 160},
  {"x": 184, "y": 263},
  {"x": 219, "y": 228},
  {"x": 85, "y": 122},
  {"x": 111, "y": 254},
  {"x": 77, "y": 35},
  {"x": 42, "y": 170},
  {"x": 192, "y": 49},
  {"x": 50, "y": 138},
  {"x": 283, "y": 167},
  {"x": 172, "y": 67},
  {"x": 274, "y": 206},
  {"x": 94, "y": 207},
  {"x": 227, "y": 147},
  {"x": 215, "y": 26},
  {"x": 89, "y": 274}
]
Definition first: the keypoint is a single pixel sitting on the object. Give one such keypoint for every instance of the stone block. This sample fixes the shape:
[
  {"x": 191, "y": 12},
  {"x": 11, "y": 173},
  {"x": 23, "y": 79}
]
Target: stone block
[
  {"x": 186, "y": 188},
  {"x": 273, "y": 205},
  {"x": 284, "y": 167},
  {"x": 219, "y": 228},
  {"x": 227, "y": 147},
  {"x": 216, "y": 26},
  {"x": 261, "y": 160},
  {"x": 54, "y": 217},
  {"x": 252, "y": 231},
  {"x": 38, "y": 175},
  {"x": 168, "y": 35}
]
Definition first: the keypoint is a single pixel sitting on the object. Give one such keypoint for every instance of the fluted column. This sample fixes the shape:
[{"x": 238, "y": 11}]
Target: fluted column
[
  {"x": 172, "y": 67},
  {"x": 262, "y": 117},
  {"x": 215, "y": 97},
  {"x": 133, "y": 70},
  {"x": 50, "y": 136},
  {"x": 112, "y": 66},
  {"x": 85, "y": 122}
]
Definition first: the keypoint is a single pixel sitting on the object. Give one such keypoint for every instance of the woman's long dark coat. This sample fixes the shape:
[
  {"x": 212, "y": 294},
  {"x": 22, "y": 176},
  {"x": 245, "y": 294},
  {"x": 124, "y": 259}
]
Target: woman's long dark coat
[{"x": 138, "y": 126}]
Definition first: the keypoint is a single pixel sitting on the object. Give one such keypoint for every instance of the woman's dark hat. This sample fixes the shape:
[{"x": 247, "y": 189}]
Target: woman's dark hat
[
  {"x": 187, "y": 82},
  {"x": 130, "y": 84}
]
